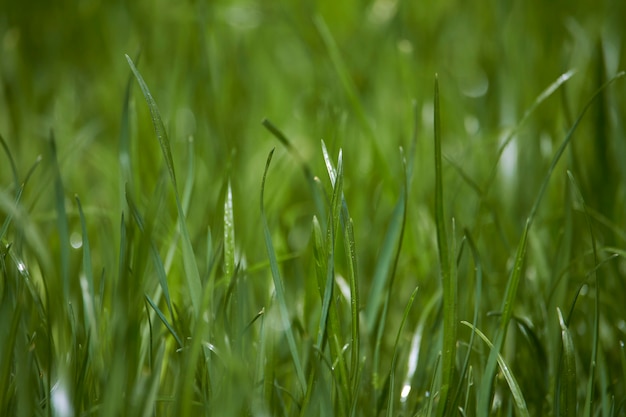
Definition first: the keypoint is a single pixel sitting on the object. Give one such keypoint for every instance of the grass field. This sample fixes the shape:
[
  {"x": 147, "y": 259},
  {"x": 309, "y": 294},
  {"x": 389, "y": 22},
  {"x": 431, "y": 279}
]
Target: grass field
[{"x": 354, "y": 208}]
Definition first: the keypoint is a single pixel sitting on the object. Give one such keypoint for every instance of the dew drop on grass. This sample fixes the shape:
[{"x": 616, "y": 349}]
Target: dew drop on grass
[
  {"x": 76, "y": 240},
  {"x": 472, "y": 125}
]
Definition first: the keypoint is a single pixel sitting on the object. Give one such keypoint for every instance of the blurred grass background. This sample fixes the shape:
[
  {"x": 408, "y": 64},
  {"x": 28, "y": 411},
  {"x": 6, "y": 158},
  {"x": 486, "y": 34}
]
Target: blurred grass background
[{"x": 352, "y": 73}]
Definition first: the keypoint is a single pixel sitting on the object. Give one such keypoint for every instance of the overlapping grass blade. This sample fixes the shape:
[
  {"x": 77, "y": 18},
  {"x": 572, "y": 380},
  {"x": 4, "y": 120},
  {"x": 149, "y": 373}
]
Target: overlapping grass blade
[
  {"x": 567, "y": 376},
  {"x": 448, "y": 281},
  {"x": 161, "y": 316},
  {"x": 310, "y": 178},
  {"x": 394, "y": 358},
  {"x": 477, "y": 300},
  {"x": 514, "y": 279},
  {"x": 596, "y": 310},
  {"x": 516, "y": 391},
  {"x": 279, "y": 288},
  {"x": 562, "y": 79},
  {"x": 146, "y": 227},
  {"x": 89, "y": 298},
  {"x": 190, "y": 265}
]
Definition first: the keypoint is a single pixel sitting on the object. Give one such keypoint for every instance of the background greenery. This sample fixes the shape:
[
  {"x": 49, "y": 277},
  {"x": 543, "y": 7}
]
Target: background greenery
[{"x": 89, "y": 323}]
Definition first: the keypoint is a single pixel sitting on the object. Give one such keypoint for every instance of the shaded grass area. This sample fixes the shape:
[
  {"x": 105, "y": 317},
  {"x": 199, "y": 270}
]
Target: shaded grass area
[{"x": 192, "y": 247}]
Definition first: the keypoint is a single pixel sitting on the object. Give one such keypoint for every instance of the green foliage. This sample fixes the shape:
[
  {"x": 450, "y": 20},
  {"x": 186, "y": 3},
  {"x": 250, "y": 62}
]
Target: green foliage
[{"x": 455, "y": 253}]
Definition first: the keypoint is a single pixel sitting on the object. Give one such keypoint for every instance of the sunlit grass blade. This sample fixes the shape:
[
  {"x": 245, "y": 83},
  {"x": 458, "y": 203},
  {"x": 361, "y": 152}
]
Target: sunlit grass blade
[
  {"x": 394, "y": 358},
  {"x": 516, "y": 391},
  {"x": 567, "y": 375},
  {"x": 190, "y": 265},
  {"x": 229, "y": 234},
  {"x": 90, "y": 297},
  {"x": 157, "y": 122},
  {"x": 279, "y": 288},
  {"x": 448, "y": 281},
  {"x": 161, "y": 316},
  {"x": 333, "y": 225}
]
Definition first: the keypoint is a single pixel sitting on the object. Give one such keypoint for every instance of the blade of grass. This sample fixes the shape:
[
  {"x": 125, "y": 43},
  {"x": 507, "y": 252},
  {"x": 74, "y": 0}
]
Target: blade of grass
[
  {"x": 567, "y": 376},
  {"x": 514, "y": 279},
  {"x": 190, "y": 265},
  {"x": 161, "y": 316},
  {"x": 146, "y": 227},
  {"x": 62, "y": 221},
  {"x": 90, "y": 297},
  {"x": 448, "y": 281},
  {"x": 596, "y": 310},
  {"x": 402, "y": 213},
  {"x": 477, "y": 301},
  {"x": 516, "y": 391},
  {"x": 394, "y": 358},
  {"x": 278, "y": 285},
  {"x": 229, "y": 234}
]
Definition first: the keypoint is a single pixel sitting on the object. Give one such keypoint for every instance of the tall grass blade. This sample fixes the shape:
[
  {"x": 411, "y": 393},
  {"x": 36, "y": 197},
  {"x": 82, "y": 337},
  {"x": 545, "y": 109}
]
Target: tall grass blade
[
  {"x": 157, "y": 122},
  {"x": 344, "y": 77},
  {"x": 596, "y": 310},
  {"x": 190, "y": 265},
  {"x": 516, "y": 391},
  {"x": 16, "y": 180},
  {"x": 514, "y": 279},
  {"x": 89, "y": 300},
  {"x": 394, "y": 358},
  {"x": 449, "y": 285},
  {"x": 568, "y": 373},
  {"x": 278, "y": 285}
]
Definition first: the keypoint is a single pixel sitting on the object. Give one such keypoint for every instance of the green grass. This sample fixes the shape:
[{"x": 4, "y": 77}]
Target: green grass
[{"x": 267, "y": 210}]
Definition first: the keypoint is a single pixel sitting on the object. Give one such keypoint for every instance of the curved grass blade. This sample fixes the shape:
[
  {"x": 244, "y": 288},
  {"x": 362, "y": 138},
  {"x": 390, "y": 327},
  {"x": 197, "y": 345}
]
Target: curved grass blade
[
  {"x": 278, "y": 285},
  {"x": 448, "y": 281},
  {"x": 192, "y": 275},
  {"x": 562, "y": 79},
  {"x": 392, "y": 371},
  {"x": 567, "y": 376},
  {"x": 169, "y": 327},
  {"x": 518, "y": 397},
  {"x": 514, "y": 279},
  {"x": 159, "y": 128}
]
